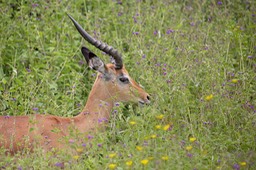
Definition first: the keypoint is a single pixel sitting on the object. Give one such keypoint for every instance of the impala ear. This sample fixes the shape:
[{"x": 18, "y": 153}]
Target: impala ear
[{"x": 93, "y": 61}]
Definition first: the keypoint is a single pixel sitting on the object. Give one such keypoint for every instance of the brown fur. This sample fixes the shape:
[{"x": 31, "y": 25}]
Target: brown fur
[{"x": 48, "y": 131}]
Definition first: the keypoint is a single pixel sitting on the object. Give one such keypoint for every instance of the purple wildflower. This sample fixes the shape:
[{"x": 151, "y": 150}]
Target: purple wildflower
[
  {"x": 90, "y": 137},
  {"x": 71, "y": 141},
  {"x": 86, "y": 113},
  {"x": 236, "y": 167},
  {"x": 143, "y": 56},
  {"x": 135, "y": 33},
  {"x": 117, "y": 104},
  {"x": 170, "y": 128},
  {"x": 114, "y": 111},
  {"x": 35, "y": 5},
  {"x": 119, "y": 2},
  {"x": 28, "y": 70},
  {"x": 155, "y": 32},
  {"x": 100, "y": 120},
  {"x": 7, "y": 117},
  {"x": 35, "y": 109},
  {"x": 189, "y": 155},
  {"x": 192, "y": 24},
  {"x": 207, "y": 123},
  {"x": 169, "y": 31},
  {"x": 84, "y": 145},
  {"x": 242, "y": 28},
  {"x": 145, "y": 143},
  {"x": 231, "y": 74},
  {"x": 158, "y": 64},
  {"x": 120, "y": 14},
  {"x": 168, "y": 81},
  {"x": 134, "y": 19},
  {"x": 60, "y": 164},
  {"x": 19, "y": 168},
  {"x": 182, "y": 143},
  {"x": 250, "y": 57},
  {"x": 99, "y": 145},
  {"x": 219, "y": 3}
]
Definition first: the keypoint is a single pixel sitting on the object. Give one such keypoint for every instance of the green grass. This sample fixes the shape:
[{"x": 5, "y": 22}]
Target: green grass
[{"x": 181, "y": 52}]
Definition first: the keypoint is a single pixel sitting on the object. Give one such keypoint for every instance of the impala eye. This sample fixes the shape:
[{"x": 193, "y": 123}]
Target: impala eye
[{"x": 124, "y": 80}]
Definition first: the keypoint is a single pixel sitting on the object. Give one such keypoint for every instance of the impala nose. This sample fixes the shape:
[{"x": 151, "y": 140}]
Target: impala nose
[{"x": 147, "y": 99}]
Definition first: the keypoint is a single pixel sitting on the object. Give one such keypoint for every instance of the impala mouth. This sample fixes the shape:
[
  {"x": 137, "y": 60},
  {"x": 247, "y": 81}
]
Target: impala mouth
[{"x": 142, "y": 102}]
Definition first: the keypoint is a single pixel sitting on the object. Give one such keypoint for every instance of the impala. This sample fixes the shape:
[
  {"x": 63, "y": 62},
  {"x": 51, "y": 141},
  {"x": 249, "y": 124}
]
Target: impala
[{"x": 112, "y": 84}]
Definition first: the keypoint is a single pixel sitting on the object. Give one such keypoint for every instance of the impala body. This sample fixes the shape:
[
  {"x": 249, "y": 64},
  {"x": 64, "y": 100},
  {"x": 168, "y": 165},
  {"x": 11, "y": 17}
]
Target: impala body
[{"x": 113, "y": 84}]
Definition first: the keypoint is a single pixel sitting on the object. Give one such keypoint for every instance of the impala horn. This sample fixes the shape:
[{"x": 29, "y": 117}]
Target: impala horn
[{"x": 100, "y": 45}]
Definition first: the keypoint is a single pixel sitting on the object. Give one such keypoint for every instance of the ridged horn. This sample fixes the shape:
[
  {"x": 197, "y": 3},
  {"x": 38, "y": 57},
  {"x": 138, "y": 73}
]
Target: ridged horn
[{"x": 100, "y": 45}]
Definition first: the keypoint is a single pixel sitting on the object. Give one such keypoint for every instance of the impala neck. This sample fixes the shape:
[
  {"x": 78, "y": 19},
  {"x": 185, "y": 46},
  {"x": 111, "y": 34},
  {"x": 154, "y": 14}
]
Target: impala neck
[{"x": 98, "y": 108}]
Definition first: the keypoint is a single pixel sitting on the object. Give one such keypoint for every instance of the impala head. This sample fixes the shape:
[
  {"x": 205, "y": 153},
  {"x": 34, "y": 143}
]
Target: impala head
[{"x": 114, "y": 77}]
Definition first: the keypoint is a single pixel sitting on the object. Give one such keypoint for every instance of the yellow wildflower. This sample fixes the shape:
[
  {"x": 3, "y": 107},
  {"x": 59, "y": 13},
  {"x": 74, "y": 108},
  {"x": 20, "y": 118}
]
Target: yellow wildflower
[
  {"x": 192, "y": 139},
  {"x": 165, "y": 158},
  {"x": 112, "y": 166},
  {"x": 209, "y": 97},
  {"x": 153, "y": 136},
  {"x": 161, "y": 116},
  {"x": 132, "y": 122},
  {"x": 147, "y": 138},
  {"x": 204, "y": 152},
  {"x": 158, "y": 126},
  {"x": 234, "y": 80},
  {"x": 243, "y": 163},
  {"x": 139, "y": 148},
  {"x": 151, "y": 158},
  {"x": 166, "y": 127},
  {"x": 129, "y": 163},
  {"x": 112, "y": 155},
  {"x": 76, "y": 157},
  {"x": 188, "y": 148},
  {"x": 79, "y": 150},
  {"x": 144, "y": 161}
]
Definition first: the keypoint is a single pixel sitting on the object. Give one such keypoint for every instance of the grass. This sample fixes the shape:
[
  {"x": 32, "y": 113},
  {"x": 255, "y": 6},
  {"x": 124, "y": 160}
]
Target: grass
[{"x": 196, "y": 59}]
